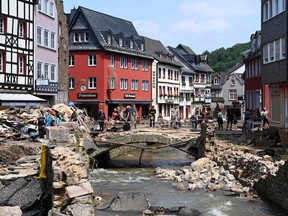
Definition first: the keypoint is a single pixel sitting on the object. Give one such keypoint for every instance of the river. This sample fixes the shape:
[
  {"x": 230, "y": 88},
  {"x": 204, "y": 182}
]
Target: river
[{"x": 123, "y": 175}]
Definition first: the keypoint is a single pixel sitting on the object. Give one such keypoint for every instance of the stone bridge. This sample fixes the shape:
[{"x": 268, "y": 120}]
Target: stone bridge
[{"x": 119, "y": 143}]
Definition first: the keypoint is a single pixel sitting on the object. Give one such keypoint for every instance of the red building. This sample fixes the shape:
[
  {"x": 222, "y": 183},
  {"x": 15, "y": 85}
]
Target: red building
[
  {"x": 256, "y": 93},
  {"x": 109, "y": 65}
]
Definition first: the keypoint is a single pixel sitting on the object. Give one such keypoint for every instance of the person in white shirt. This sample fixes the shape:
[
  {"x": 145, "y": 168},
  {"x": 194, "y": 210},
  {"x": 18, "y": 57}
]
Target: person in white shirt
[
  {"x": 264, "y": 115},
  {"x": 220, "y": 120}
]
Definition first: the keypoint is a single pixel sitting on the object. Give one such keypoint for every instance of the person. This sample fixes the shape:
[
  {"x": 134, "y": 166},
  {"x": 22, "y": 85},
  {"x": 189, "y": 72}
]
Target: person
[
  {"x": 101, "y": 119},
  {"x": 41, "y": 125},
  {"x": 220, "y": 120},
  {"x": 160, "y": 121},
  {"x": 48, "y": 120},
  {"x": 115, "y": 115},
  {"x": 194, "y": 121},
  {"x": 230, "y": 117},
  {"x": 152, "y": 113},
  {"x": 264, "y": 116},
  {"x": 128, "y": 113},
  {"x": 58, "y": 119},
  {"x": 134, "y": 115}
]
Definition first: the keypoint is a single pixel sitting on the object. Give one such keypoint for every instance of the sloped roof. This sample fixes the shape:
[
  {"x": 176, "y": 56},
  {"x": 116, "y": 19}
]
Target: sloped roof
[
  {"x": 190, "y": 59},
  {"x": 159, "y": 52},
  {"x": 225, "y": 75},
  {"x": 103, "y": 25}
]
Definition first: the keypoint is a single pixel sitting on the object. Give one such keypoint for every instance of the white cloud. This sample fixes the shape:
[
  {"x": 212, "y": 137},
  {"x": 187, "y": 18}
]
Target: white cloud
[{"x": 147, "y": 28}]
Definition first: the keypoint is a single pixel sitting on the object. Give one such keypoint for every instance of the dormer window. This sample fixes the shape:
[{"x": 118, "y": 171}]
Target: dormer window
[
  {"x": 131, "y": 44},
  {"x": 142, "y": 46},
  {"x": 109, "y": 39},
  {"x": 120, "y": 42},
  {"x": 216, "y": 81},
  {"x": 232, "y": 81}
]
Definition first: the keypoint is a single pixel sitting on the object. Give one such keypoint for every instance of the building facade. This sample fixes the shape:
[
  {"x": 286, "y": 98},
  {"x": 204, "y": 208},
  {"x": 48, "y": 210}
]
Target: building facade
[
  {"x": 17, "y": 53},
  {"x": 274, "y": 61},
  {"x": 165, "y": 78},
  {"x": 46, "y": 50},
  {"x": 108, "y": 63},
  {"x": 256, "y": 94},
  {"x": 195, "y": 85}
]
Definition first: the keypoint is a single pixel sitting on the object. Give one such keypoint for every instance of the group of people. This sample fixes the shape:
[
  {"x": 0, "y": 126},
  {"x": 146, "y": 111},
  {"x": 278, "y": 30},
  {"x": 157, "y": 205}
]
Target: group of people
[
  {"x": 230, "y": 116},
  {"x": 46, "y": 119},
  {"x": 127, "y": 114}
]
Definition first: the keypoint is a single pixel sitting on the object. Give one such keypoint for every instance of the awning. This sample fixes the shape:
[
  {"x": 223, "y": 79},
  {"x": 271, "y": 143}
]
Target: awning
[{"x": 10, "y": 99}]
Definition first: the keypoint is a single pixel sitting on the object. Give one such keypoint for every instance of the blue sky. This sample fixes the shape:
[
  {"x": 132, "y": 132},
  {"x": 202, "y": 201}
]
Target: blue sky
[{"x": 200, "y": 24}]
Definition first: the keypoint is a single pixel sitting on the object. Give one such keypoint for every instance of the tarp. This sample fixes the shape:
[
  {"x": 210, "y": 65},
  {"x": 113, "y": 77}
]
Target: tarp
[{"x": 10, "y": 99}]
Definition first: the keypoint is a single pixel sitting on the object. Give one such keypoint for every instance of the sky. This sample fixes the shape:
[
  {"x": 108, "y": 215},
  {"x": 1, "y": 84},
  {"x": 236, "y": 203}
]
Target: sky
[{"x": 200, "y": 24}]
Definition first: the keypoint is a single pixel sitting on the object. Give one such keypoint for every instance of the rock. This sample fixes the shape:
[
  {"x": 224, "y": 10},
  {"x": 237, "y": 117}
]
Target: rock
[
  {"x": 181, "y": 187},
  {"x": 191, "y": 186},
  {"x": 59, "y": 135},
  {"x": 189, "y": 212},
  {"x": 267, "y": 158},
  {"x": 10, "y": 211},
  {"x": 8, "y": 191},
  {"x": 200, "y": 163},
  {"x": 54, "y": 212},
  {"x": 80, "y": 209}
]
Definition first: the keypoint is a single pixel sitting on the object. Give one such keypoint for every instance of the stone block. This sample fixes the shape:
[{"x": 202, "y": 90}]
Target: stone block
[
  {"x": 57, "y": 134},
  {"x": 69, "y": 125},
  {"x": 10, "y": 211}
]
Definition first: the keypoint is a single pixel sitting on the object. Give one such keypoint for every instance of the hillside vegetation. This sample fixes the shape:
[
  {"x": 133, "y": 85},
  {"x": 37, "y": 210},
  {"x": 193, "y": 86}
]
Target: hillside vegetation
[{"x": 221, "y": 60}]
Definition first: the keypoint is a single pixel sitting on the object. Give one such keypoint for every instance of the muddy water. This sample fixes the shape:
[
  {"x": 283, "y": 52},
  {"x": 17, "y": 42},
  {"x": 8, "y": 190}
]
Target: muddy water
[{"x": 123, "y": 175}]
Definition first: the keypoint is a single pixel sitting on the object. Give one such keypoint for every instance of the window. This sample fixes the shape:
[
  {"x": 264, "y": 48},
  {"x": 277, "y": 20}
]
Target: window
[
  {"x": 2, "y": 60},
  {"x": 53, "y": 72},
  {"x": 145, "y": 85},
  {"x": 232, "y": 81},
  {"x": 159, "y": 72},
  {"x": 216, "y": 81},
  {"x": 134, "y": 85},
  {"x": 86, "y": 38},
  {"x": 190, "y": 81},
  {"x": 142, "y": 46},
  {"x": 265, "y": 53},
  {"x": 123, "y": 84},
  {"x": 46, "y": 38},
  {"x": 144, "y": 65},
  {"x": 92, "y": 60},
  {"x": 52, "y": 40},
  {"x": 21, "y": 64},
  {"x": 112, "y": 83},
  {"x": 39, "y": 70},
  {"x": 51, "y": 9},
  {"x": 71, "y": 60},
  {"x": 123, "y": 62},
  {"x": 197, "y": 78},
  {"x": 232, "y": 94},
  {"x": 183, "y": 80},
  {"x": 39, "y": 35},
  {"x": 109, "y": 39},
  {"x": 46, "y": 6},
  {"x": 272, "y": 8},
  {"x": 2, "y": 26},
  {"x": 202, "y": 78},
  {"x": 75, "y": 37},
  {"x": 46, "y": 70},
  {"x": 134, "y": 64},
  {"x": 120, "y": 42},
  {"x": 21, "y": 30},
  {"x": 131, "y": 44},
  {"x": 92, "y": 83},
  {"x": 164, "y": 72},
  {"x": 271, "y": 51},
  {"x": 112, "y": 61},
  {"x": 71, "y": 83},
  {"x": 40, "y": 5},
  {"x": 283, "y": 52}
]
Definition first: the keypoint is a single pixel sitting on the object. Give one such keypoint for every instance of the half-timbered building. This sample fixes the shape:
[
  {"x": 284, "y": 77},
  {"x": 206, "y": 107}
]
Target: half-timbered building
[{"x": 16, "y": 53}]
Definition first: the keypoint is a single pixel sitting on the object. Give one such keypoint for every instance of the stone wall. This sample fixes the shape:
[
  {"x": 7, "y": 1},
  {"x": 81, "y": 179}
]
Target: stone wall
[{"x": 274, "y": 188}]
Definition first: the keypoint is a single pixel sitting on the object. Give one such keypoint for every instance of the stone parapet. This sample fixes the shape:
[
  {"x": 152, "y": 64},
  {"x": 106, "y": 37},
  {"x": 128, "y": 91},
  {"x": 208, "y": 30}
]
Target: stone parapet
[{"x": 57, "y": 134}]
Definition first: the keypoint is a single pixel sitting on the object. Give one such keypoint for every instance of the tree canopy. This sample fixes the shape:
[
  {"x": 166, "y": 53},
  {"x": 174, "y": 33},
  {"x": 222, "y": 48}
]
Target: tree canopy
[{"x": 221, "y": 60}]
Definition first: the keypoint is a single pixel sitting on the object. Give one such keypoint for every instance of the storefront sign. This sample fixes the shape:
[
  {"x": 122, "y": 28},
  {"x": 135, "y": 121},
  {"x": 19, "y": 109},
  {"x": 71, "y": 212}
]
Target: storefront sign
[
  {"x": 129, "y": 96},
  {"x": 42, "y": 82},
  {"x": 87, "y": 95}
]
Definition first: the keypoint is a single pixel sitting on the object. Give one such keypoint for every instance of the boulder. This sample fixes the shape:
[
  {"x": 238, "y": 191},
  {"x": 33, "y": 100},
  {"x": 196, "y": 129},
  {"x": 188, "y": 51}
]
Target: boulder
[
  {"x": 59, "y": 135},
  {"x": 10, "y": 211},
  {"x": 8, "y": 191}
]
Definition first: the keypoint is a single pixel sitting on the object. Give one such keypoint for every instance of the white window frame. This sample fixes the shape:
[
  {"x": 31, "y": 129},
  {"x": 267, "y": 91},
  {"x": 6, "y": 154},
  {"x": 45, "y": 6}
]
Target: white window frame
[
  {"x": 53, "y": 72},
  {"x": 39, "y": 5},
  {"x": 232, "y": 94},
  {"x": 46, "y": 71},
  {"x": 109, "y": 39},
  {"x": 145, "y": 85},
  {"x": 71, "y": 60},
  {"x": 75, "y": 37},
  {"x": 92, "y": 82},
  {"x": 92, "y": 60},
  {"x": 52, "y": 39},
  {"x": 120, "y": 41},
  {"x": 39, "y": 35},
  {"x": 131, "y": 44},
  {"x": 39, "y": 69},
  {"x": 134, "y": 63},
  {"x": 45, "y": 8},
  {"x": 21, "y": 64},
  {"x": 123, "y": 84},
  {"x": 46, "y": 38},
  {"x": 112, "y": 61},
  {"x": 145, "y": 66},
  {"x": 21, "y": 29},
  {"x": 124, "y": 62},
  {"x": 86, "y": 37},
  {"x": 112, "y": 83},
  {"x": 51, "y": 9},
  {"x": 282, "y": 48},
  {"x": 135, "y": 85},
  {"x": 142, "y": 46},
  {"x": 71, "y": 83},
  {"x": 1, "y": 61}
]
